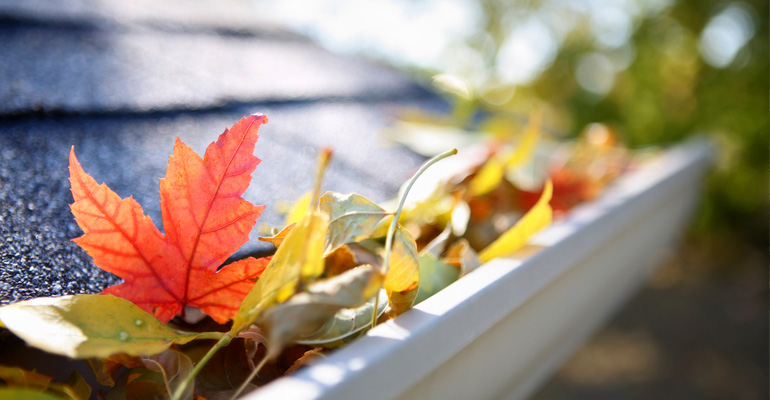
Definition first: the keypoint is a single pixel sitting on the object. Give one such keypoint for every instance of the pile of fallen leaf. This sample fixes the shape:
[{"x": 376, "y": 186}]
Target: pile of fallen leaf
[{"x": 182, "y": 326}]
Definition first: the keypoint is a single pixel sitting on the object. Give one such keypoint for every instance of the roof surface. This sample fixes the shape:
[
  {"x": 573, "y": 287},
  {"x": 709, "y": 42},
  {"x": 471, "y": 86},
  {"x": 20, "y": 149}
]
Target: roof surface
[{"x": 120, "y": 80}]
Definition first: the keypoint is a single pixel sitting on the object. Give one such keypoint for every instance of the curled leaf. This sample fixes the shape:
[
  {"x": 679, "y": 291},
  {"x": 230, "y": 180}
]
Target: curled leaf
[
  {"x": 84, "y": 326},
  {"x": 403, "y": 270},
  {"x": 279, "y": 237},
  {"x": 537, "y": 218},
  {"x": 347, "y": 321},
  {"x": 352, "y": 218},
  {"x": 174, "y": 366},
  {"x": 340, "y": 260},
  {"x": 401, "y": 302},
  {"x": 307, "y": 312},
  {"x": 461, "y": 255}
]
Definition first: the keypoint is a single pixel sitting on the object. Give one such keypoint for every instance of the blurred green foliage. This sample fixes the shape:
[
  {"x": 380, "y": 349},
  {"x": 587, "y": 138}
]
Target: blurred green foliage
[{"x": 666, "y": 93}]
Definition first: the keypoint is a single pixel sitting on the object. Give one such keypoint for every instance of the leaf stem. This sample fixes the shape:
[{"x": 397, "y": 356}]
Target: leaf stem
[
  {"x": 251, "y": 376},
  {"x": 210, "y": 335},
  {"x": 394, "y": 223},
  {"x": 323, "y": 163},
  {"x": 223, "y": 341}
]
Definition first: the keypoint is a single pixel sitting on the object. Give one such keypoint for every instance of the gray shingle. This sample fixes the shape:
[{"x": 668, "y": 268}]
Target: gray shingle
[
  {"x": 92, "y": 70},
  {"x": 130, "y": 153},
  {"x": 120, "y": 82}
]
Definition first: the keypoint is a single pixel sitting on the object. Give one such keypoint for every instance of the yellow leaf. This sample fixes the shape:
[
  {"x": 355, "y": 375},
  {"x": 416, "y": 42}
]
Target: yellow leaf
[
  {"x": 404, "y": 269},
  {"x": 525, "y": 149},
  {"x": 299, "y": 258},
  {"x": 299, "y": 209},
  {"x": 537, "y": 218},
  {"x": 491, "y": 174},
  {"x": 279, "y": 237},
  {"x": 488, "y": 178},
  {"x": 401, "y": 302}
]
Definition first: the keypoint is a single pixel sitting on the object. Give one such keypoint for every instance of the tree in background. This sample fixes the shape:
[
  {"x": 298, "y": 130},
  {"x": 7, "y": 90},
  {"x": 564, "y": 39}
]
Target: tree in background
[{"x": 656, "y": 71}]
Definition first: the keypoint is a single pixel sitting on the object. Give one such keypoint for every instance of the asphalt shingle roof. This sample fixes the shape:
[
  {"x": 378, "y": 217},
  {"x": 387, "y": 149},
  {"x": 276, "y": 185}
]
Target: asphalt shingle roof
[{"x": 119, "y": 83}]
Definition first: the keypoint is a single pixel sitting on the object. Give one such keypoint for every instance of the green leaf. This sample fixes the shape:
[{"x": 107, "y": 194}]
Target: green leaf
[
  {"x": 299, "y": 258},
  {"x": 307, "y": 312},
  {"x": 25, "y": 394},
  {"x": 537, "y": 218},
  {"x": 347, "y": 321},
  {"x": 434, "y": 273},
  {"x": 434, "y": 276},
  {"x": 90, "y": 326},
  {"x": 352, "y": 218}
]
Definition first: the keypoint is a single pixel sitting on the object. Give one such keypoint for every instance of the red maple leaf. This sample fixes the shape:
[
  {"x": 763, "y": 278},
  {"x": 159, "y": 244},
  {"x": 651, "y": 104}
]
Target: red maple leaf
[{"x": 205, "y": 220}]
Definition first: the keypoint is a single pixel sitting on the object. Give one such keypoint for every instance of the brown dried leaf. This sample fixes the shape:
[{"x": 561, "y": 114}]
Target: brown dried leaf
[
  {"x": 279, "y": 237},
  {"x": 339, "y": 261},
  {"x": 461, "y": 255},
  {"x": 308, "y": 358}
]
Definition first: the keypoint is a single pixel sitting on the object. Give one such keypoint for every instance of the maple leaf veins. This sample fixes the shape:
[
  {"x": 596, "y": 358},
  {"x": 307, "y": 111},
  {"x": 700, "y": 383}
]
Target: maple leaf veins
[{"x": 205, "y": 220}]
